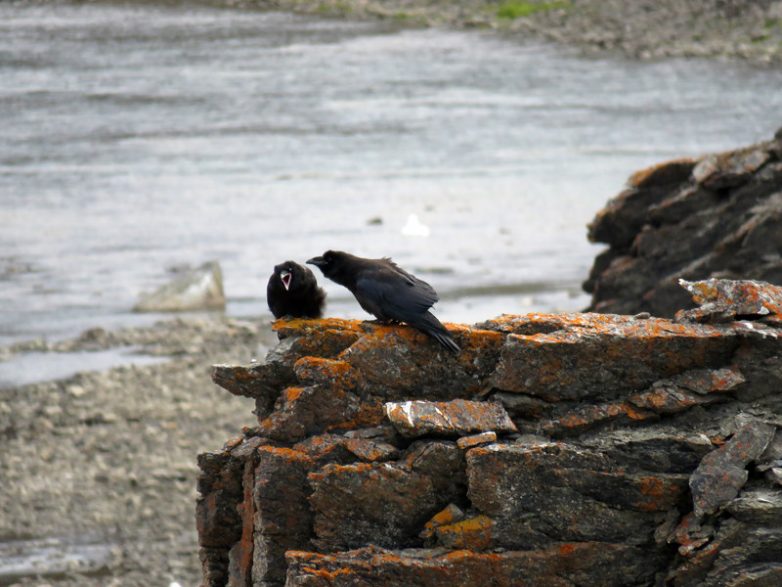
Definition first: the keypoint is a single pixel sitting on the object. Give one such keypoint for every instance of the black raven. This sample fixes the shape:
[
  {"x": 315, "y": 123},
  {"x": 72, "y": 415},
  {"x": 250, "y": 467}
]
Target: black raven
[
  {"x": 293, "y": 291},
  {"x": 386, "y": 291}
]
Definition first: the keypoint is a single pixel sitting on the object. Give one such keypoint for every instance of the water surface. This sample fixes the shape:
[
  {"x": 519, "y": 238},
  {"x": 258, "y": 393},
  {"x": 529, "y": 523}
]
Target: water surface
[{"x": 137, "y": 137}]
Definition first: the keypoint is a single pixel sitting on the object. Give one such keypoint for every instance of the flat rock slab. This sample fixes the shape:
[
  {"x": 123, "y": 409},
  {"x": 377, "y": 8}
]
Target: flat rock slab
[
  {"x": 454, "y": 418},
  {"x": 466, "y": 442},
  {"x": 722, "y": 472},
  {"x": 542, "y": 492},
  {"x": 759, "y": 507},
  {"x": 560, "y": 565},
  {"x": 377, "y": 503},
  {"x": 603, "y": 356},
  {"x": 724, "y": 170},
  {"x": 721, "y": 300}
]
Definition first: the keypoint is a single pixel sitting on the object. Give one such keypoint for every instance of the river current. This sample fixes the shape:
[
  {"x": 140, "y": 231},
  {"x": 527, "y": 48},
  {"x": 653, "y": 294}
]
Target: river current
[{"x": 139, "y": 137}]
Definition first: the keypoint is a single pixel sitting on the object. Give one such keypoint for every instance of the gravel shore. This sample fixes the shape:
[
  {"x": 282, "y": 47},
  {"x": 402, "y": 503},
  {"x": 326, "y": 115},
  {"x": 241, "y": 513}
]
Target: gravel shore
[
  {"x": 109, "y": 458},
  {"x": 643, "y": 29}
]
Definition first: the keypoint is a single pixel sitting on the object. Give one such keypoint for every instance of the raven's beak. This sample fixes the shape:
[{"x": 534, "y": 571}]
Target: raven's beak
[
  {"x": 285, "y": 277},
  {"x": 317, "y": 261}
]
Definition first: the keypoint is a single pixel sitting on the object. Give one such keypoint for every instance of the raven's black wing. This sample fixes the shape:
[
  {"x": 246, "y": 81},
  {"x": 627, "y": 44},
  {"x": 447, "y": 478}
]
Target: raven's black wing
[
  {"x": 422, "y": 288},
  {"x": 397, "y": 296},
  {"x": 388, "y": 295}
]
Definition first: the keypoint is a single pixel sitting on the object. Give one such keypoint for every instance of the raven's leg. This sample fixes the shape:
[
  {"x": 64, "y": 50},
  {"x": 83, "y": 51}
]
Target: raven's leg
[{"x": 382, "y": 322}]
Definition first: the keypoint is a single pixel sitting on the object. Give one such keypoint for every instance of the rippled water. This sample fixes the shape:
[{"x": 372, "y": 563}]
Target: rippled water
[{"x": 138, "y": 137}]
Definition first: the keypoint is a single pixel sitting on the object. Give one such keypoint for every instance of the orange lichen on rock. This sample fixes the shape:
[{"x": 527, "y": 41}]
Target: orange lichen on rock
[
  {"x": 326, "y": 574},
  {"x": 454, "y": 418},
  {"x": 584, "y": 417},
  {"x": 466, "y": 442},
  {"x": 371, "y": 451},
  {"x": 450, "y": 514},
  {"x": 285, "y": 453},
  {"x": 310, "y": 326},
  {"x": 720, "y": 300},
  {"x": 470, "y": 534},
  {"x": 335, "y": 469},
  {"x": 369, "y": 414},
  {"x": 291, "y": 394},
  {"x": 315, "y": 370},
  {"x": 323, "y": 337},
  {"x": 595, "y": 355},
  {"x": 554, "y": 566},
  {"x": 660, "y": 493}
]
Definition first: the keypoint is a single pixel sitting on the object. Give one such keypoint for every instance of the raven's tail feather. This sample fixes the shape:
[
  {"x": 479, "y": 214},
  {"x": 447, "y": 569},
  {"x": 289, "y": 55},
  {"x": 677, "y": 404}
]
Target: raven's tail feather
[{"x": 434, "y": 328}]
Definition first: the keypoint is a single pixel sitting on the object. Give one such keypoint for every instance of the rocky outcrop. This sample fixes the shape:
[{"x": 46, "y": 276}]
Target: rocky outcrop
[
  {"x": 567, "y": 449},
  {"x": 717, "y": 216},
  {"x": 190, "y": 289}
]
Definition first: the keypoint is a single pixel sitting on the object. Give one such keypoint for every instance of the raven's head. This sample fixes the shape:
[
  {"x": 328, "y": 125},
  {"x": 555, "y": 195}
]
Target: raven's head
[
  {"x": 328, "y": 260},
  {"x": 289, "y": 273},
  {"x": 331, "y": 263}
]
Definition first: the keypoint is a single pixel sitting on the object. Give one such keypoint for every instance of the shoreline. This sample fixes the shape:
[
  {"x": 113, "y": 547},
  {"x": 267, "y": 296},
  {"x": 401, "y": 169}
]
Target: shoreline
[
  {"x": 106, "y": 459},
  {"x": 644, "y": 29}
]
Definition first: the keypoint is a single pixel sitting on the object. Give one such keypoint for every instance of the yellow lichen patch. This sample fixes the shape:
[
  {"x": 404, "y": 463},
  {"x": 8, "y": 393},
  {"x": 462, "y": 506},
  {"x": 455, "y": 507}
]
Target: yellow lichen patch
[
  {"x": 704, "y": 291},
  {"x": 442, "y": 518},
  {"x": 330, "y": 367},
  {"x": 457, "y": 555},
  {"x": 303, "y": 555},
  {"x": 592, "y": 415},
  {"x": 322, "y": 337},
  {"x": 285, "y": 453},
  {"x": 305, "y": 325},
  {"x": 574, "y": 421},
  {"x": 329, "y": 371},
  {"x": 637, "y": 415},
  {"x": 475, "y": 342},
  {"x": 379, "y": 333},
  {"x": 449, "y": 515},
  {"x": 385, "y": 557},
  {"x": 567, "y": 549},
  {"x": 327, "y": 574},
  {"x": 291, "y": 394},
  {"x": 472, "y": 534},
  {"x": 370, "y": 450}
]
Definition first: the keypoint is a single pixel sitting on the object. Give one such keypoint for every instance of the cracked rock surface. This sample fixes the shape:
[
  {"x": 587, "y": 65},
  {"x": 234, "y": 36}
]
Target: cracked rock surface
[{"x": 554, "y": 450}]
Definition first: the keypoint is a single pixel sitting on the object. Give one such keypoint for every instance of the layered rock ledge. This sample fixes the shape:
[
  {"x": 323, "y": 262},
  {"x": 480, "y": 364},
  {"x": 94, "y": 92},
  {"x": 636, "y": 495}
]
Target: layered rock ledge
[
  {"x": 587, "y": 449},
  {"x": 717, "y": 216}
]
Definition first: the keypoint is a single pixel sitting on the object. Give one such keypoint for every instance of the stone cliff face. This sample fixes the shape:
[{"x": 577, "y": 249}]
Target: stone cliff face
[
  {"x": 554, "y": 450},
  {"x": 718, "y": 216}
]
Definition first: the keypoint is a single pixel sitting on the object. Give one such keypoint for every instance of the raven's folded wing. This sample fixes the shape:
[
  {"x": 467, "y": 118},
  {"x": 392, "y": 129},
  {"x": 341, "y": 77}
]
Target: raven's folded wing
[{"x": 399, "y": 298}]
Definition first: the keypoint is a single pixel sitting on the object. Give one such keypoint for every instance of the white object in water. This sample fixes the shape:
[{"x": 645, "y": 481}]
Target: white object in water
[{"x": 414, "y": 227}]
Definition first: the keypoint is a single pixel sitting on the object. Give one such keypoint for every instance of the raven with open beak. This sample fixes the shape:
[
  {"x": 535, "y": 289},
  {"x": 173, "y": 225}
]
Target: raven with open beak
[{"x": 293, "y": 291}]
